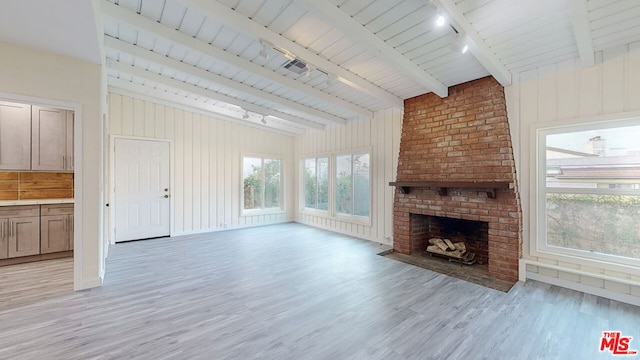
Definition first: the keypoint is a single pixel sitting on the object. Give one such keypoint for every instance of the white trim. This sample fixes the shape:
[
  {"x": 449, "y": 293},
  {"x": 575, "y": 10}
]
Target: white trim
[
  {"x": 525, "y": 262},
  {"x": 213, "y": 230},
  {"x": 79, "y": 282},
  {"x": 112, "y": 183},
  {"x": 537, "y": 244},
  {"x": 302, "y": 208},
  {"x": 625, "y": 298},
  {"x": 263, "y": 211}
]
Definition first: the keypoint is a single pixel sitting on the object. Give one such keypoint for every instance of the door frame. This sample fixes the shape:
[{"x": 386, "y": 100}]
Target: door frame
[
  {"x": 78, "y": 282},
  {"x": 112, "y": 182}
]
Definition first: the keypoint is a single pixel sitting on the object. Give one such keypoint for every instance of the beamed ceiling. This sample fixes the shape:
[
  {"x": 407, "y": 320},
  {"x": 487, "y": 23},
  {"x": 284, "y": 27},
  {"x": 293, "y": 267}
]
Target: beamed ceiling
[{"x": 236, "y": 58}]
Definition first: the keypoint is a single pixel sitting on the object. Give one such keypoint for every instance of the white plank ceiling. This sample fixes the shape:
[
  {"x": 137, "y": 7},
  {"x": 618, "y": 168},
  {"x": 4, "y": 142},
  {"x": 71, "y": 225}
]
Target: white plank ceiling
[{"x": 355, "y": 56}]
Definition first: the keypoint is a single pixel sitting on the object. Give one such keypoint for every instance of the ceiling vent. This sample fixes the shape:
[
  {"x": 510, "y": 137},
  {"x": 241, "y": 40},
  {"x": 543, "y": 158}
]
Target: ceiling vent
[{"x": 297, "y": 66}]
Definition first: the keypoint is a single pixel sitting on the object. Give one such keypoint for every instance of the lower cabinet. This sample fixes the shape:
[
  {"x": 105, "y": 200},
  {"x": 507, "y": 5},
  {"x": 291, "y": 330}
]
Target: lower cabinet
[
  {"x": 27, "y": 230},
  {"x": 56, "y": 228},
  {"x": 19, "y": 231}
]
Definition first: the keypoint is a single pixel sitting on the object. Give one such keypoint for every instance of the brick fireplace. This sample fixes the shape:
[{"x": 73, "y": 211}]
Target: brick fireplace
[{"x": 456, "y": 161}]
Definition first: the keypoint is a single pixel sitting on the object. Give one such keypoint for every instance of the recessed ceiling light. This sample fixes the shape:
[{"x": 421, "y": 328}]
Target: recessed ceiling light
[{"x": 440, "y": 20}]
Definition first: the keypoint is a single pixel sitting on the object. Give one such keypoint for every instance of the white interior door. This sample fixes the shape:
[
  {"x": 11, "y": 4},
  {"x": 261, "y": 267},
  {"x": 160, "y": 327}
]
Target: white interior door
[{"x": 141, "y": 189}]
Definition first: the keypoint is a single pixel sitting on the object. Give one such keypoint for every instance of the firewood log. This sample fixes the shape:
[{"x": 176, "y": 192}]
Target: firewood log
[
  {"x": 449, "y": 244},
  {"x": 460, "y": 246}
]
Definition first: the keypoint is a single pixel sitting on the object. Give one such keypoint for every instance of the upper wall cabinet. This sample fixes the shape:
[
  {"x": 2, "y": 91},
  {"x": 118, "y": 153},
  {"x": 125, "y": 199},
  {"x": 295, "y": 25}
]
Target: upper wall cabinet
[
  {"x": 15, "y": 136},
  {"x": 51, "y": 139}
]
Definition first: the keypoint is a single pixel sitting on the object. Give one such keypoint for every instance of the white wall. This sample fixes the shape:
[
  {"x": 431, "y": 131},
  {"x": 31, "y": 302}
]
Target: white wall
[
  {"x": 39, "y": 77},
  {"x": 567, "y": 93},
  {"x": 206, "y": 162},
  {"x": 381, "y": 136}
]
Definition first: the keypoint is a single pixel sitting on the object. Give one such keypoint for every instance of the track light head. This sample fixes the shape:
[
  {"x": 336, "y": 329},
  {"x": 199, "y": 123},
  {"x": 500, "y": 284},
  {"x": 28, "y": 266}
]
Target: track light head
[
  {"x": 246, "y": 115},
  {"x": 263, "y": 49},
  {"x": 264, "y": 121}
]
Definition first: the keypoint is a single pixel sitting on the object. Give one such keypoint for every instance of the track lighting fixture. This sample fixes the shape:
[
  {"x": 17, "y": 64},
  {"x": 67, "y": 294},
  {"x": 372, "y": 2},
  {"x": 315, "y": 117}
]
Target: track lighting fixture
[
  {"x": 263, "y": 51},
  {"x": 460, "y": 45},
  {"x": 263, "y": 120},
  {"x": 309, "y": 70},
  {"x": 246, "y": 115}
]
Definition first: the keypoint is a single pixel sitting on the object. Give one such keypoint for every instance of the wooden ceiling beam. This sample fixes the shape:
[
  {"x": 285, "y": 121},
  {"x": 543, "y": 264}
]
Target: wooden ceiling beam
[
  {"x": 122, "y": 14},
  {"x": 146, "y": 93},
  {"x": 177, "y": 84},
  {"x": 330, "y": 13},
  {"x": 477, "y": 46},
  {"x": 167, "y": 62},
  {"x": 229, "y": 17},
  {"x": 582, "y": 31}
]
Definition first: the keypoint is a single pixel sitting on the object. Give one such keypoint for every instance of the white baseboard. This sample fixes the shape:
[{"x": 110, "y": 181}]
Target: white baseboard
[
  {"x": 625, "y": 298},
  {"x": 217, "y": 229},
  {"x": 88, "y": 284}
]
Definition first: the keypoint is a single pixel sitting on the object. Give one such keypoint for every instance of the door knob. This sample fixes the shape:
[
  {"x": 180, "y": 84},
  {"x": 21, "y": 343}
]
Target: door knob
[{"x": 166, "y": 196}]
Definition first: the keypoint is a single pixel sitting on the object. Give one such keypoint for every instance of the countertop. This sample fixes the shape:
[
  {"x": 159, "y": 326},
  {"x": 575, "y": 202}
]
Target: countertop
[{"x": 36, "y": 202}]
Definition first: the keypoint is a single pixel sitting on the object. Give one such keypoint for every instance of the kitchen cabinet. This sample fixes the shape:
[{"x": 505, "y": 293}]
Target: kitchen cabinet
[
  {"x": 51, "y": 139},
  {"x": 19, "y": 231},
  {"x": 15, "y": 136},
  {"x": 56, "y": 228}
]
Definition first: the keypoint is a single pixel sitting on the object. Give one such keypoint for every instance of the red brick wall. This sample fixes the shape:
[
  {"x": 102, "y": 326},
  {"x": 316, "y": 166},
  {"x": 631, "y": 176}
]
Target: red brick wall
[{"x": 463, "y": 137}]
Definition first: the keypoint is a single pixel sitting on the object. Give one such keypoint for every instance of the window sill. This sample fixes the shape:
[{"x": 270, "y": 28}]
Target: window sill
[
  {"x": 254, "y": 212},
  {"x": 595, "y": 260}
]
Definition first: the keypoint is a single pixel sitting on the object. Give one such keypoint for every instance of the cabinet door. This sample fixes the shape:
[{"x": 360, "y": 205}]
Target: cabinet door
[
  {"x": 71, "y": 232},
  {"x": 15, "y": 136},
  {"x": 4, "y": 239},
  {"x": 24, "y": 236},
  {"x": 69, "y": 147},
  {"x": 49, "y": 139},
  {"x": 54, "y": 234}
]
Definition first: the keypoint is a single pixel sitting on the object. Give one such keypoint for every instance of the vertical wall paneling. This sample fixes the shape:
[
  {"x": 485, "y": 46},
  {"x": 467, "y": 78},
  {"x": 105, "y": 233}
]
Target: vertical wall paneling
[
  {"x": 205, "y": 162},
  {"x": 382, "y": 136},
  {"x": 610, "y": 89}
]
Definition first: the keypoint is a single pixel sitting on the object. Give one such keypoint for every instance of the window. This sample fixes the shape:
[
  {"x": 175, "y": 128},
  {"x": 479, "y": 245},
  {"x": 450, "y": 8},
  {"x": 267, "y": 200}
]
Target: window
[
  {"x": 590, "y": 191},
  {"x": 262, "y": 183},
  {"x": 353, "y": 185},
  {"x": 316, "y": 183}
]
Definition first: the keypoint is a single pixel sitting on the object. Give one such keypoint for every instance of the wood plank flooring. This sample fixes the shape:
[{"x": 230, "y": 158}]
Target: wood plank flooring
[{"x": 290, "y": 291}]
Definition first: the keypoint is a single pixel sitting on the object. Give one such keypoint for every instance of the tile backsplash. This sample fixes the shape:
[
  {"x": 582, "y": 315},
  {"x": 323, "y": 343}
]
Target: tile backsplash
[{"x": 23, "y": 185}]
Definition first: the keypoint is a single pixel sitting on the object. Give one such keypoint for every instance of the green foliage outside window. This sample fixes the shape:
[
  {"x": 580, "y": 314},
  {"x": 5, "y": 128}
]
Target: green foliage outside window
[{"x": 262, "y": 183}]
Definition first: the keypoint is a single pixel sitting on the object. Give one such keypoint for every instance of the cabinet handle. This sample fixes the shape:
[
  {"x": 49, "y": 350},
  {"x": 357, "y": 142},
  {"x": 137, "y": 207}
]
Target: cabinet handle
[
  {"x": 70, "y": 163},
  {"x": 1, "y": 229},
  {"x": 10, "y": 228}
]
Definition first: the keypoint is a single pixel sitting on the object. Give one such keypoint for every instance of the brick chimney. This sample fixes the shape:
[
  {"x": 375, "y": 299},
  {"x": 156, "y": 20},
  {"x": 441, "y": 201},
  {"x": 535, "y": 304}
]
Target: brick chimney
[{"x": 461, "y": 139}]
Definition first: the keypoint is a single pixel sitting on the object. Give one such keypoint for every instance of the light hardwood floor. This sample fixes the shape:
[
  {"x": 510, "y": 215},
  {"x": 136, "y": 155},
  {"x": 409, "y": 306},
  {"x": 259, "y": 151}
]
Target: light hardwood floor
[{"x": 294, "y": 292}]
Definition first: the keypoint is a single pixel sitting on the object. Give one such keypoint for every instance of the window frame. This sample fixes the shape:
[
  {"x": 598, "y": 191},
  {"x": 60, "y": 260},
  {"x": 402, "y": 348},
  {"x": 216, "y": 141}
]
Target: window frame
[
  {"x": 538, "y": 245},
  {"x": 262, "y": 210},
  {"x": 331, "y": 212},
  {"x": 303, "y": 204}
]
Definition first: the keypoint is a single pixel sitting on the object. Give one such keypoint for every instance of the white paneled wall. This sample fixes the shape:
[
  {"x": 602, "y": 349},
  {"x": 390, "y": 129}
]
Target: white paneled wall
[
  {"x": 561, "y": 94},
  {"x": 381, "y": 136},
  {"x": 206, "y": 162}
]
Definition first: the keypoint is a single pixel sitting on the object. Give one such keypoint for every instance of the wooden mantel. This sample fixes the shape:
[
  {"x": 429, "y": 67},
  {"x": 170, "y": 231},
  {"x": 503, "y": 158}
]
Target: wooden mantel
[{"x": 490, "y": 186}]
